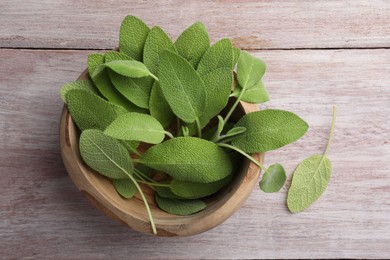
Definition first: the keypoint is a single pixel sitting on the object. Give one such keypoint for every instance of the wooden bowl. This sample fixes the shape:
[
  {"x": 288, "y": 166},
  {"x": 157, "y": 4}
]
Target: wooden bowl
[{"x": 132, "y": 212}]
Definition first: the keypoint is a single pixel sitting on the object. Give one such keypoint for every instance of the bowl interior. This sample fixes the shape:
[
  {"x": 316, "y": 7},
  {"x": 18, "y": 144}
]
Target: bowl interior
[{"x": 132, "y": 212}]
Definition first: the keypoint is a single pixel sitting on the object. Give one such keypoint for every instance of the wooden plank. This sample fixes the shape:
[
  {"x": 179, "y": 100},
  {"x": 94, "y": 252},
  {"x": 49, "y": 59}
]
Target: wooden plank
[
  {"x": 42, "y": 215},
  {"x": 251, "y": 24}
]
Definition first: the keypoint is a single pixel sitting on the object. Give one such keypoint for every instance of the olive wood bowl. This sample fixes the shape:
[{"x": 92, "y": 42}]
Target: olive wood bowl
[{"x": 131, "y": 212}]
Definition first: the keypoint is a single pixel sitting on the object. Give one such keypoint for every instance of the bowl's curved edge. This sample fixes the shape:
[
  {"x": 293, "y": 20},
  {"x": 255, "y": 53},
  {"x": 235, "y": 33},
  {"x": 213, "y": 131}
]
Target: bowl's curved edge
[{"x": 190, "y": 225}]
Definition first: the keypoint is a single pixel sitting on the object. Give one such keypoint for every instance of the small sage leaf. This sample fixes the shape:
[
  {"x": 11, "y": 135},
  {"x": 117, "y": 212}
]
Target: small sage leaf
[
  {"x": 102, "y": 82},
  {"x": 125, "y": 187},
  {"x": 90, "y": 111},
  {"x": 269, "y": 130},
  {"x": 249, "y": 70},
  {"x": 310, "y": 178},
  {"x": 128, "y": 68},
  {"x": 182, "y": 87},
  {"x": 179, "y": 207},
  {"x": 131, "y": 146},
  {"x": 193, "y": 43},
  {"x": 79, "y": 84},
  {"x": 137, "y": 127},
  {"x": 132, "y": 37},
  {"x": 159, "y": 107},
  {"x": 189, "y": 159},
  {"x": 235, "y": 131},
  {"x": 254, "y": 94},
  {"x": 273, "y": 179},
  {"x": 190, "y": 190},
  {"x": 105, "y": 154},
  {"x": 137, "y": 90},
  {"x": 185, "y": 131},
  {"x": 217, "y": 56},
  {"x": 156, "y": 42}
]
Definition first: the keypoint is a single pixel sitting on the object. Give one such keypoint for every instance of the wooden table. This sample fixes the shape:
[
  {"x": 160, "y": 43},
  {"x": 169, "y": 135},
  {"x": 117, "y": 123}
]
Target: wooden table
[{"x": 319, "y": 54}]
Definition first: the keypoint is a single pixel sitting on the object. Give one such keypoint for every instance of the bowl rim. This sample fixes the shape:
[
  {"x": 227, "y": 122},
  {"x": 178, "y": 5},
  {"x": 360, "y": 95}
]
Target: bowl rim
[{"x": 86, "y": 179}]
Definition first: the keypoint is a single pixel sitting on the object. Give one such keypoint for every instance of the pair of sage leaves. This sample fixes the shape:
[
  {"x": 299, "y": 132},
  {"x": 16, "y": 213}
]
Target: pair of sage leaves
[{"x": 164, "y": 94}]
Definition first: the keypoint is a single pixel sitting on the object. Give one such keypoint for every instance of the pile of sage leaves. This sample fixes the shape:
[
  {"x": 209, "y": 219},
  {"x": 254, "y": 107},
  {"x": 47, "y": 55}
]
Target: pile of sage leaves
[{"x": 165, "y": 94}]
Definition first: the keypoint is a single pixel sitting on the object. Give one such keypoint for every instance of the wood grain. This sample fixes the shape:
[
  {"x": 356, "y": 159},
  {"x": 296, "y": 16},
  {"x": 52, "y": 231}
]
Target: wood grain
[
  {"x": 44, "y": 216},
  {"x": 251, "y": 24}
]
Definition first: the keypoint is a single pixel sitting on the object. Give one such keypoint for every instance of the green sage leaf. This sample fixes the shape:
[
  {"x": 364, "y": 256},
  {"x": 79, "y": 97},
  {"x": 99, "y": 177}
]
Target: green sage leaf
[
  {"x": 254, "y": 94},
  {"x": 190, "y": 159},
  {"x": 90, "y": 111},
  {"x": 159, "y": 107},
  {"x": 310, "y": 179},
  {"x": 193, "y": 43},
  {"x": 236, "y": 55},
  {"x": 105, "y": 154},
  {"x": 179, "y": 207},
  {"x": 79, "y": 84},
  {"x": 114, "y": 55},
  {"x": 273, "y": 179},
  {"x": 104, "y": 85},
  {"x": 127, "y": 68},
  {"x": 165, "y": 192},
  {"x": 217, "y": 56},
  {"x": 235, "y": 131},
  {"x": 249, "y": 70},
  {"x": 125, "y": 187},
  {"x": 132, "y": 37},
  {"x": 156, "y": 42},
  {"x": 137, "y": 127},
  {"x": 182, "y": 87},
  {"x": 191, "y": 190},
  {"x": 135, "y": 90},
  {"x": 269, "y": 130}
]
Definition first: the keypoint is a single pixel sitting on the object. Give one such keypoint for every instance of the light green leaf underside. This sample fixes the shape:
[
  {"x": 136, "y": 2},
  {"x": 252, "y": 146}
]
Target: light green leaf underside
[
  {"x": 105, "y": 87},
  {"x": 181, "y": 86},
  {"x": 193, "y": 43},
  {"x": 217, "y": 56},
  {"x": 128, "y": 68},
  {"x": 135, "y": 90},
  {"x": 90, "y": 111},
  {"x": 132, "y": 37},
  {"x": 190, "y": 190},
  {"x": 190, "y": 159},
  {"x": 249, "y": 70},
  {"x": 79, "y": 84},
  {"x": 105, "y": 154},
  {"x": 156, "y": 42},
  {"x": 269, "y": 130},
  {"x": 137, "y": 127},
  {"x": 310, "y": 179},
  {"x": 159, "y": 107},
  {"x": 124, "y": 187},
  {"x": 179, "y": 207},
  {"x": 273, "y": 179}
]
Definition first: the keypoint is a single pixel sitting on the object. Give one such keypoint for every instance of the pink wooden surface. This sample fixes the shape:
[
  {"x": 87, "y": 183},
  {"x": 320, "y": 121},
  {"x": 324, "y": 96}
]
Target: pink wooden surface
[{"x": 44, "y": 216}]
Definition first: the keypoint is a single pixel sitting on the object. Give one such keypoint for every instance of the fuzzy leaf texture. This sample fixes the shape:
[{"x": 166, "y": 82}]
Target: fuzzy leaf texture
[
  {"x": 310, "y": 179},
  {"x": 189, "y": 159},
  {"x": 125, "y": 187},
  {"x": 104, "y": 85},
  {"x": 114, "y": 55},
  {"x": 79, "y": 84},
  {"x": 90, "y": 111},
  {"x": 132, "y": 37},
  {"x": 254, "y": 94},
  {"x": 217, "y": 56},
  {"x": 127, "y": 68},
  {"x": 268, "y": 130},
  {"x": 156, "y": 42},
  {"x": 179, "y": 207},
  {"x": 190, "y": 190},
  {"x": 249, "y": 70},
  {"x": 136, "y": 90},
  {"x": 182, "y": 87},
  {"x": 193, "y": 43},
  {"x": 159, "y": 107},
  {"x": 273, "y": 179},
  {"x": 105, "y": 154},
  {"x": 137, "y": 127}
]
